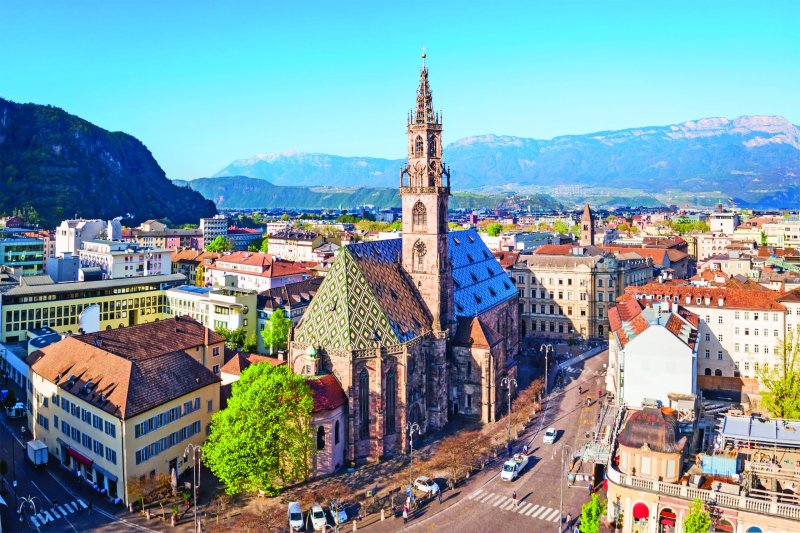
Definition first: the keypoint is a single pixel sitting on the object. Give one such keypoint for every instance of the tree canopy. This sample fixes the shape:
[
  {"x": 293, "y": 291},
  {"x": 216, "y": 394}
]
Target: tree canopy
[
  {"x": 276, "y": 331},
  {"x": 263, "y": 438},
  {"x": 781, "y": 381},
  {"x": 199, "y": 276},
  {"x": 698, "y": 520},
  {"x": 590, "y": 515},
  {"x": 219, "y": 245},
  {"x": 238, "y": 339},
  {"x": 494, "y": 229}
]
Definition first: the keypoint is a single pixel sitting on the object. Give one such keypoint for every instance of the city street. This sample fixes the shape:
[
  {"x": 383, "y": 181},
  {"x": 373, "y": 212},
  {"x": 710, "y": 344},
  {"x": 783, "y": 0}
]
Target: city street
[
  {"x": 71, "y": 512},
  {"x": 485, "y": 502}
]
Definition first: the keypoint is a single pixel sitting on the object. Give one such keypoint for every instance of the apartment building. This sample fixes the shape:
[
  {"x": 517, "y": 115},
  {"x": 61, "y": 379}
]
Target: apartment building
[
  {"x": 738, "y": 333},
  {"x": 242, "y": 238},
  {"x": 566, "y": 290},
  {"x": 253, "y": 271},
  {"x": 220, "y": 307},
  {"x": 213, "y": 227},
  {"x": 294, "y": 245},
  {"x": 293, "y": 299},
  {"x": 186, "y": 262},
  {"x": 121, "y": 302},
  {"x": 118, "y": 405},
  {"x": 117, "y": 259},
  {"x": 169, "y": 238},
  {"x": 782, "y": 234},
  {"x": 723, "y": 222},
  {"x": 71, "y": 234}
]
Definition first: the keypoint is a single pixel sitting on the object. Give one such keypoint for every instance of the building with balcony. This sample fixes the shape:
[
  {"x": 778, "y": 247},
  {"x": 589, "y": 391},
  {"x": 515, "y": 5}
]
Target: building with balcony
[
  {"x": 294, "y": 245},
  {"x": 213, "y": 227},
  {"x": 117, "y": 259},
  {"x": 25, "y": 254},
  {"x": 253, "y": 271}
]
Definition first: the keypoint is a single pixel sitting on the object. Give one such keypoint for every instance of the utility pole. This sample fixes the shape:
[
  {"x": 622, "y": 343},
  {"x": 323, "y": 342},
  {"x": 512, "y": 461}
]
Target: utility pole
[
  {"x": 410, "y": 429},
  {"x": 547, "y": 348},
  {"x": 197, "y": 453},
  {"x": 508, "y": 382},
  {"x": 562, "y": 449}
]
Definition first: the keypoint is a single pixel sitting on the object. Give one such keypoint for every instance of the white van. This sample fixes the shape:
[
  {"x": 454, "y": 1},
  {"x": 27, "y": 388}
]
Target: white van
[{"x": 295, "y": 517}]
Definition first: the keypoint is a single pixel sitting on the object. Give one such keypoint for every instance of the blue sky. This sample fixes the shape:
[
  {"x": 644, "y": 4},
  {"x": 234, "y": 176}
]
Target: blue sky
[{"x": 204, "y": 83}]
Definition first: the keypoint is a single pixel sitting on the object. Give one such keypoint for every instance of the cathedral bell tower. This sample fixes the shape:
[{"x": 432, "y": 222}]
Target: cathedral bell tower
[{"x": 425, "y": 197}]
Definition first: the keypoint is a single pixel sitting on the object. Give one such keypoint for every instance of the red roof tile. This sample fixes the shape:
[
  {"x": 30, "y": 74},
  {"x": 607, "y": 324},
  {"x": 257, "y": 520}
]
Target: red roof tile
[
  {"x": 732, "y": 298},
  {"x": 327, "y": 391}
]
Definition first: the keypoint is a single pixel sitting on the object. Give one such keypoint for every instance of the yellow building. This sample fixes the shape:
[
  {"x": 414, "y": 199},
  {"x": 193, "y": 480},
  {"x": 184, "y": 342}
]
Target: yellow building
[
  {"x": 118, "y": 405},
  {"x": 121, "y": 302}
]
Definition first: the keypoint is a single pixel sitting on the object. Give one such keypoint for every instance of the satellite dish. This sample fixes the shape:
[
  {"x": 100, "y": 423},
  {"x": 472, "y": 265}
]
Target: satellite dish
[{"x": 89, "y": 320}]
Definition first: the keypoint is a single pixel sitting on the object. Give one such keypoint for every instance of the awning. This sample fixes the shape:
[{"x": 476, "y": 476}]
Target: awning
[
  {"x": 108, "y": 475},
  {"x": 79, "y": 457},
  {"x": 640, "y": 511}
]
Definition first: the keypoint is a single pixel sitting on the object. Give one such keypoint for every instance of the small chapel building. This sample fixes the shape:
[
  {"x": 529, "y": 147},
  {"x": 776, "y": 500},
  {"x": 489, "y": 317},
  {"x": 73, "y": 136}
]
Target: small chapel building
[{"x": 416, "y": 329}]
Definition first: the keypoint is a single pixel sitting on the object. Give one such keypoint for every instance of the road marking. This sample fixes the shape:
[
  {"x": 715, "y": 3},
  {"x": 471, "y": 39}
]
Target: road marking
[
  {"x": 489, "y": 498},
  {"x": 533, "y": 509},
  {"x": 508, "y": 505},
  {"x": 550, "y": 517},
  {"x": 537, "y": 513},
  {"x": 61, "y": 508},
  {"x": 69, "y": 507},
  {"x": 82, "y": 504},
  {"x": 55, "y": 513},
  {"x": 476, "y": 493},
  {"x": 484, "y": 497},
  {"x": 499, "y": 501},
  {"x": 35, "y": 522},
  {"x": 524, "y": 508}
]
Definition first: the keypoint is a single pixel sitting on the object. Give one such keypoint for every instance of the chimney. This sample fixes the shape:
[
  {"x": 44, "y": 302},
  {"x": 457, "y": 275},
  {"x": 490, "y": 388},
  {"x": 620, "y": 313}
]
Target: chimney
[{"x": 205, "y": 336}]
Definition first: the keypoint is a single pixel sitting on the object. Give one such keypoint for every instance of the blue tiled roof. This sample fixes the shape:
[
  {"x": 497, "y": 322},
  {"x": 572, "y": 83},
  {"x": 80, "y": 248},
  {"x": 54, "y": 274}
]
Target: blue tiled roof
[{"x": 479, "y": 282}]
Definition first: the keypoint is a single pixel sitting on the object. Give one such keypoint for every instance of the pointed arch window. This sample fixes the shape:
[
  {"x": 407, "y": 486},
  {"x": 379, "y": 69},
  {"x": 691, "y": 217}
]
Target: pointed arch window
[
  {"x": 391, "y": 402},
  {"x": 419, "y": 256},
  {"x": 363, "y": 404},
  {"x": 419, "y": 216},
  {"x": 419, "y": 146}
]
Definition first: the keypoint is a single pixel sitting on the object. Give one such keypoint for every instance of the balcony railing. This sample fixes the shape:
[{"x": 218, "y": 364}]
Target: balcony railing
[{"x": 732, "y": 501}]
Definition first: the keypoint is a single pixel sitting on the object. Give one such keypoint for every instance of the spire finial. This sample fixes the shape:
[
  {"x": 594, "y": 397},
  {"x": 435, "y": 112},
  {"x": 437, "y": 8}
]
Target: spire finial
[{"x": 424, "y": 55}]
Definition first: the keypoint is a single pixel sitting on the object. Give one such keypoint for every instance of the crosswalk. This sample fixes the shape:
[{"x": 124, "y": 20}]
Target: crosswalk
[
  {"x": 572, "y": 371},
  {"x": 505, "y": 503},
  {"x": 56, "y": 512}
]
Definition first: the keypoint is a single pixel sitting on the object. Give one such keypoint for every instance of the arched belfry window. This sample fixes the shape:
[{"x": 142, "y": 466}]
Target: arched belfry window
[
  {"x": 419, "y": 256},
  {"x": 321, "y": 438},
  {"x": 391, "y": 401},
  {"x": 363, "y": 404},
  {"x": 431, "y": 146},
  {"x": 419, "y": 146},
  {"x": 419, "y": 216}
]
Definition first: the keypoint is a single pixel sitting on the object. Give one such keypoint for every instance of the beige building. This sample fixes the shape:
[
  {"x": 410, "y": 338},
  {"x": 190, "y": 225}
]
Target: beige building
[
  {"x": 566, "y": 290},
  {"x": 253, "y": 271},
  {"x": 121, "y": 302},
  {"x": 123, "y": 404},
  {"x": 292, "y": 244}
]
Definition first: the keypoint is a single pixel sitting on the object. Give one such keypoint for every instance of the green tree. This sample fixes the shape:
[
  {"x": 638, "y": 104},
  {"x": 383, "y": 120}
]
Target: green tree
[
  {"x": 235, "y": 339},
  {"x": 575, "y": 229},
  {"x": 590, "y": 515},
  {"x": 781, "y": 381},
  {"x": 698, "y": 520},
  {"x": 276, "y": 332},
  {"x": 263, "y": 438},
  {"x": 264, "y": 246},
  {"x": 494, "y": 229},
  {"x": 199, "y": 276},
  {"x": 220, "y": 245},
  {"x": 453, "y": 225},
  {"x": 560, "y": 227},
  {"x": 255, "y": 244},
  {"x": 285, "y": 217}
]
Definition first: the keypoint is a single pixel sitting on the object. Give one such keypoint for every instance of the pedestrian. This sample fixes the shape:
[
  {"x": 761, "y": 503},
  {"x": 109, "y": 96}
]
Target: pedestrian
[
  {"x": 90, "y": 506},
  {"x": 439, "y": 494},
  {"x": 569, "y": 519},
  {"x": 514, "y": 497},
  {"x": 510, "y": 449},
  {"x": 405, "y": 514}
]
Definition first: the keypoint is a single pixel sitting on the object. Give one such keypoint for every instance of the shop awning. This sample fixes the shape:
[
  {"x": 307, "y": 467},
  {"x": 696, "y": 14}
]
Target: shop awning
[
  {"x": 640, "y": 511},
  {"x": 108, "y": 475},
  {"x": 79, "y": 457}
]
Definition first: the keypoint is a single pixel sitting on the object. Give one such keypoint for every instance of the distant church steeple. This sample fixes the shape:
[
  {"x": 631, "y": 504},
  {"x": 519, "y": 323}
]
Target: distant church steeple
[
  {"x": 587, "y": 227},
  {"x": 425, "y": 202}
]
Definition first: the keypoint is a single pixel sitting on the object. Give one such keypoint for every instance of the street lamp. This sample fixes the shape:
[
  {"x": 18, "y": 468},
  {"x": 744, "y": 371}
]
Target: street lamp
[
  {"x": 410, "y": 429},
  {"x": 563, "y": 448},
  {"x": 29, "y": 501},
  {"x": 547, "y": 348},
  {"x": 196, "y": 458},
  {"x": 508, "y": 382}
]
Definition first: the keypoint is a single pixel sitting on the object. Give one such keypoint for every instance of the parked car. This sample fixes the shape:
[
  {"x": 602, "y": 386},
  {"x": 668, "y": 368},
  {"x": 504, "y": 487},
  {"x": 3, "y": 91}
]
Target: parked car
[
  {"x": 514, "y": 467},
  {"x": 426, "y": 485},
  {"x": 338, "y": 512},
  {"x": 318, "y": 520},
  {"x": 550, "y": 436},
  {"x": 295, "y": 516}
]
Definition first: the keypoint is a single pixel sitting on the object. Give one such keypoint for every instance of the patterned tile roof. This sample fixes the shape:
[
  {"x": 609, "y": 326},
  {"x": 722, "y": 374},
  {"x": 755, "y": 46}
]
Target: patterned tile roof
[
  {"x": 367, "y": 298},
  {"x": 364, "y": 300},
  {"x": 479, "y": 282}
]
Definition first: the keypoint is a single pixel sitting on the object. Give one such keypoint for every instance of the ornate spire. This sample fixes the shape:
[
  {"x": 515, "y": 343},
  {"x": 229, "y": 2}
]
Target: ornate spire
[{"x": 424, "y": 114}]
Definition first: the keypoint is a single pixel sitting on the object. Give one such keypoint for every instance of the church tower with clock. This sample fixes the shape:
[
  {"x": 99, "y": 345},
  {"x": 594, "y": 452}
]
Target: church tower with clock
[{"x": 424, "y": 196}]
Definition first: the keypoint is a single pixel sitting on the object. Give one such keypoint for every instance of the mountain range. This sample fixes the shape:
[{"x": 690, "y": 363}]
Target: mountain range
[
  {"x": 755, "y": 159},
  {"x": 60, "y": 165}
]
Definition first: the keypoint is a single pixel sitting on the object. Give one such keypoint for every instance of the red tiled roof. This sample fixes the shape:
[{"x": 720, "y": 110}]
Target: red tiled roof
[
  {"x": 658, "y": 255},
  {"x": 327, "y": 391},
  {"x": 270, "y": 267},
  {"x": 676, "y": 256},
  {"x": 238, "y": 361},
  {"x": 473, "y": 331},
  {"x": 732, "y": 298},
  {"x": 554, "y": 249},
  {"x": 506, "y": 259}
]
